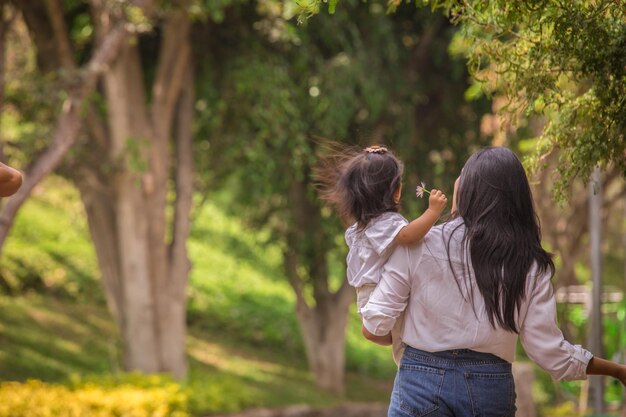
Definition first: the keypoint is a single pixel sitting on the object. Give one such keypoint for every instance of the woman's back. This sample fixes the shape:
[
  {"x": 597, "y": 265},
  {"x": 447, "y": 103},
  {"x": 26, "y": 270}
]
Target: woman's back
[{"x": 443, "y": 314}]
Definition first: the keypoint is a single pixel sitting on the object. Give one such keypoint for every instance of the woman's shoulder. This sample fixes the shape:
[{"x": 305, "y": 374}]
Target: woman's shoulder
[
  {"x": 449, "y": 229},
  {"x": 538, "y": 277},
  {"x": 444, "y": 240}
]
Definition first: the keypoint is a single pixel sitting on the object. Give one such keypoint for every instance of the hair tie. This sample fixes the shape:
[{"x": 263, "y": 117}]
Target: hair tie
[{"x": 376, "y": 149}]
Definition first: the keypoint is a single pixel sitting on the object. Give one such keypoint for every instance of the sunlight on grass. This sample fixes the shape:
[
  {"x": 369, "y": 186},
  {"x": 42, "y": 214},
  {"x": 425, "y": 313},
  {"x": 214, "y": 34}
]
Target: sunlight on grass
[
  {"x": 237, "y": 380},
  {"x": 244, "y": 343},
  {"x": 42, "y": 338},
  {"x": 49, "y": 248},
  {"x": 238, "y": 287},
  {"x": 227, "y": 361}
]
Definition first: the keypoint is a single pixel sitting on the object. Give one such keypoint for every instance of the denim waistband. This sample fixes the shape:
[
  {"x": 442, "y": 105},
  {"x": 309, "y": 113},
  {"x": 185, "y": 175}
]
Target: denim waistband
[{"x": 455, "y": 357}]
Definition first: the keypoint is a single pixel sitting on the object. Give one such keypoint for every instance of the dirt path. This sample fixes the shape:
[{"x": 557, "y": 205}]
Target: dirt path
[{"x": 344, "y": 410}]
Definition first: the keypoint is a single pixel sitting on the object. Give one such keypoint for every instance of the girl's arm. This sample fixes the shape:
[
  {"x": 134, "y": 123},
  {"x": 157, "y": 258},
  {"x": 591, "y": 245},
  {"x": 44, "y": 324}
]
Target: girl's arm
[
  {"x": 417, "y": 229},
  {"x": 599, "y": 366},
  {"x": 10, "y": 180}
]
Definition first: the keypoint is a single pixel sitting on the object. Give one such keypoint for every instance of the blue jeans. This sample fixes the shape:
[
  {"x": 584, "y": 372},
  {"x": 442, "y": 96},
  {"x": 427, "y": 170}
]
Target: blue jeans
[{"x": 452, "y": 383}]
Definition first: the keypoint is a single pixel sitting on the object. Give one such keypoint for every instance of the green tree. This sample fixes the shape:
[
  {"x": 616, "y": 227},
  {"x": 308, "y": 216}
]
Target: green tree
[
  {"x": 359, "y": 77},
  {"x": 563, "y": 60},
  {"x": 127, "y": 103}
]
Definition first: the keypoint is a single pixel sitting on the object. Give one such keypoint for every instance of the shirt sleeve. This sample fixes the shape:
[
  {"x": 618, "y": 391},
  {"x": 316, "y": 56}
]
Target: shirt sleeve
[
  {"x": 543, "y": 341},
  {"x": 382, "y": 231},
  {"x": 390, "y": 297},
  {"x": 350, "y": 235},
  {"x": 351, "y": 269}
]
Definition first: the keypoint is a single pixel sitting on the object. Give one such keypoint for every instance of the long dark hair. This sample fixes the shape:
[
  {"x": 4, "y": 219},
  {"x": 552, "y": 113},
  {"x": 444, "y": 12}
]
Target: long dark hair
[
  {"x": 359, "y": 183},
  {"x": 502, "y": 232}
]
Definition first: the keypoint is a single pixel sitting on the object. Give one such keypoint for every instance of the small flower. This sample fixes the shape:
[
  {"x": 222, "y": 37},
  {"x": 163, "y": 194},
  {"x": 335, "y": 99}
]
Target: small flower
[{"x": 421, "y": 189}]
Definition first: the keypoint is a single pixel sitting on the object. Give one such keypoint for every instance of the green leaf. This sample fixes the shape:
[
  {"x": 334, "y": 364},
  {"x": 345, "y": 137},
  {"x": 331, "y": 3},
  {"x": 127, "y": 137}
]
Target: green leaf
[{"x": 332, "y": 5}]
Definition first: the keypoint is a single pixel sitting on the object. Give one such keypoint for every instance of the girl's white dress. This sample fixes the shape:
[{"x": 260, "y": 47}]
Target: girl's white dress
[{"x": 369, "y": 250}]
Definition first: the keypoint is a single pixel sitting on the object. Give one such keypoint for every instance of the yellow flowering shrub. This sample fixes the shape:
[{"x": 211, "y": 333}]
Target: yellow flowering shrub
[{"x": 38, "y": 399}]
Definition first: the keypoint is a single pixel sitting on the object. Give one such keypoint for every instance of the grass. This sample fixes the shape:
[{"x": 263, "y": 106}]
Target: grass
[
  {"x": 41, "y": 337},
  {"x": 244, "y": 345}
]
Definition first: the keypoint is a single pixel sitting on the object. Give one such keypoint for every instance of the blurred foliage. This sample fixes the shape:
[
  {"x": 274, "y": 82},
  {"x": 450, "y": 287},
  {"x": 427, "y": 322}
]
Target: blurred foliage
[
  {"x": 358, "y": 77},
  {"x": 29, "y": 102},
  {"x": 244, "y": 346},
  {"x": 49, "y": 250},
  {"x": 236, "y": 285},
  {"x": 35, "y": 399},
  {"x": 40, "y": 337},
  {"x": 238, "y": 288},
  {"x": 271, "y": 93},
  {"x": 564, "y": 61}
]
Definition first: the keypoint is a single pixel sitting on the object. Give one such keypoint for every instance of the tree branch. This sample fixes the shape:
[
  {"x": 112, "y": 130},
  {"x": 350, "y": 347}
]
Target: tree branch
[
  {"x": 5, "y": 24},
  {"x": 64, "y": 48},
  {"x": 67, "y": 129},
  {"x": 290, "y": 260},
  {"x": 179, "y": 263},
  {"x": 345, "y": 294},
  {"x": 173, "y": 62}
]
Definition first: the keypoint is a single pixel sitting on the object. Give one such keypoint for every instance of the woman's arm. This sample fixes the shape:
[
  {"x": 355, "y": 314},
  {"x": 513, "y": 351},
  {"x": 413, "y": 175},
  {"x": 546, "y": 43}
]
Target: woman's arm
[
  {"x": 379, "y": 340},
  {"x": 417, "y": 229},
  {"x": 391, "y": 295},
  {"x": 599, "y": 366},
  {"x": 543, "y": 341},
  {"x": 10, "y": 180}
]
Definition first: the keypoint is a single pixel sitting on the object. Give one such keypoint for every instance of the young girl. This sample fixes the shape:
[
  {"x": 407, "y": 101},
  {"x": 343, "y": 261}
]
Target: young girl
[{"x": 366, "y": 190}]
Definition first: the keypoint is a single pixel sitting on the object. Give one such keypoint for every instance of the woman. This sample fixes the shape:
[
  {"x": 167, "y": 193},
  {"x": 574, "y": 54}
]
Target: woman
[{"x": 470, "y": 289}]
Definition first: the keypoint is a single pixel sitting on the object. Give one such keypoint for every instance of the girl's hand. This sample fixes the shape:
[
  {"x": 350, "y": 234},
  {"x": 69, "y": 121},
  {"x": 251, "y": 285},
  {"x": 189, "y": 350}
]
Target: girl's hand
[{"x": 437, "y": 201}]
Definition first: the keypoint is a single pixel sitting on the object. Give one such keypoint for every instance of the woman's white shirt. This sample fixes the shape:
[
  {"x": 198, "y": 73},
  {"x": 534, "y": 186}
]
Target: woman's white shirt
[{"x": 438, "y": 317}]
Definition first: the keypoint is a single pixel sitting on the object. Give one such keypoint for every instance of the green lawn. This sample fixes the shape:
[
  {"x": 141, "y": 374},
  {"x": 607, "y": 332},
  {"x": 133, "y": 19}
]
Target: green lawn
[{"x": 244, "y": 345}]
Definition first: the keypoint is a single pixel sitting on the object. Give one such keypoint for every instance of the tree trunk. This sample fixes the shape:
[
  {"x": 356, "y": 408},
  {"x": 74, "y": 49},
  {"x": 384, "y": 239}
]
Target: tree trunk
[
  {"x": 146, "y": 285},
  {"x": 130, "y": 135},
  {"x": 323, "y": 325},
  {"x": 524, "y": 377},
  {"x": 123, "y": 174},
  {"x": 98, "y": 200},
  {"x": 596, "y": 382},
  {"x": 323, "y": 329},
  {"x": 324, "y": 335},
  {"x": 174, "y": 314},
  {"x": 67, "y": 129},
  {"x": 622, "y": 347},
  {"x": 6, "y": 20}
]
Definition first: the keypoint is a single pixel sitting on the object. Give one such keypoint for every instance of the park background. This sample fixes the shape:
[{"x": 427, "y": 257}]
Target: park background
[{"x": 168, "y": 223}]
